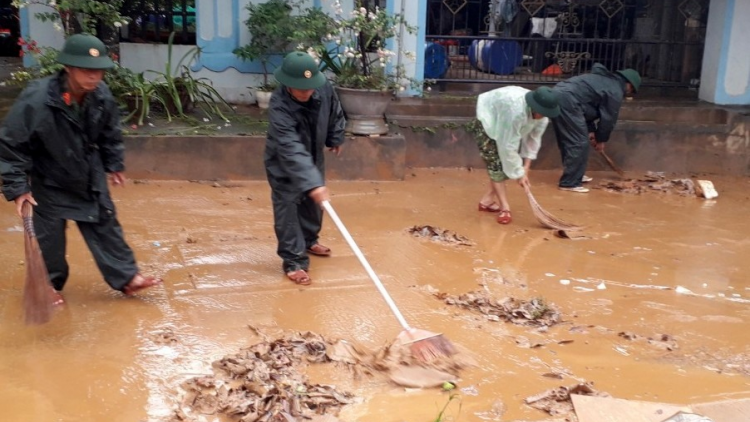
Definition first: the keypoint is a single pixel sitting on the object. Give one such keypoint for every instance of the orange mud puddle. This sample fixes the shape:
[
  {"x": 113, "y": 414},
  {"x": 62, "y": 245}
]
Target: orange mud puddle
[{"x": 108, "y": 358}]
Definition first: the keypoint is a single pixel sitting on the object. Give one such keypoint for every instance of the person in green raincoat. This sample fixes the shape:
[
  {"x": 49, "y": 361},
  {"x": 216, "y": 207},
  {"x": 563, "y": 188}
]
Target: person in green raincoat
[
  {"x": 58, "y": 142},
  {"x": 305, "y": 118},
  {"x": 589, "y": 106}
]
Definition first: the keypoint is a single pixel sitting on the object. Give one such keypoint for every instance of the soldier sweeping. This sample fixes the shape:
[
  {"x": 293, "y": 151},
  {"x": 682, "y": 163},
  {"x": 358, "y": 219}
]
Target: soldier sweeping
[
  {"x": 589, "y": 105},
  {"x": 304, "y": 116},
  {"x": 57, "y": 144}
]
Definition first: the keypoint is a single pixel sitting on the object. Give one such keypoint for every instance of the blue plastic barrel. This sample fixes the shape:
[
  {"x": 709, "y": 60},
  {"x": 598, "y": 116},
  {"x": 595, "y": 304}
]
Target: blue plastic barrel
[
  {"x": 495, "y": 56},
  {"x": 436, "y": 61}
]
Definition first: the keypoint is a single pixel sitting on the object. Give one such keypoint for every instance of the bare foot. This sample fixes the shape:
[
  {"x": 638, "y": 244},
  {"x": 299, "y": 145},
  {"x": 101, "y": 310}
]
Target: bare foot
[
  {"x": 139, "y": 283},
  {"x": 57, "y": 298}
]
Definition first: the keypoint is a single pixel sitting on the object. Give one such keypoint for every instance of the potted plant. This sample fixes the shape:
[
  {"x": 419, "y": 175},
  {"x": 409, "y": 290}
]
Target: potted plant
[
  {"x": 179, "y": 91},
  {"x": 358, "y": 56},
  {"x": 271, "y": 26}
]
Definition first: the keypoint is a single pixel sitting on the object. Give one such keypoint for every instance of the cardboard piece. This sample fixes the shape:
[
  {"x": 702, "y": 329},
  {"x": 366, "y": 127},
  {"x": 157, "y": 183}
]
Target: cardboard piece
[
  {"x": 705, "y": 188},
  {"x": 725, "y": 411},
  {"x": 607, "y": 409}
]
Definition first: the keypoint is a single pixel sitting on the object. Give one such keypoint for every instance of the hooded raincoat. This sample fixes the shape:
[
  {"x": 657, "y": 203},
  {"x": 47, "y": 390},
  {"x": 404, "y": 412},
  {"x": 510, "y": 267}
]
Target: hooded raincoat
[
  {"x": 298, "y": 134},
  {"x": 589, "y": 103},
  {"x": 60, "y": 152}
]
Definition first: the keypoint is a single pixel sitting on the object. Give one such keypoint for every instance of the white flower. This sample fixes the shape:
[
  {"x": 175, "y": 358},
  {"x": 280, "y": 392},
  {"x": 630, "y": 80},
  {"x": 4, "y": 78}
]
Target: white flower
[
  {"x": 363, "y": 11},
  {"x": 401, "y": 88},
  {"x": 52, "y": 3},
  {"x": 118, "y": 24},
  {"x": 57, "y": 26}
]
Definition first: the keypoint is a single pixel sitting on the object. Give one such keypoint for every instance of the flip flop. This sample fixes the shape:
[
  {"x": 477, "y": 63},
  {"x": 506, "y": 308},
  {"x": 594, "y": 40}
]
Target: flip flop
[
  {"x": 493, "y": 207},
  {"x": 139, "y": 283},
  {"x": 319, "y": 250},
  {"x": 504, "y": 217},
  {"x": 299, "y": 277}
]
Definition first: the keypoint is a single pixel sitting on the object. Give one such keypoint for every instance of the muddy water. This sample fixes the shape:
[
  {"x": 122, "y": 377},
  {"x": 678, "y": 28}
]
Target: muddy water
[{"x": 104, "y": 357}]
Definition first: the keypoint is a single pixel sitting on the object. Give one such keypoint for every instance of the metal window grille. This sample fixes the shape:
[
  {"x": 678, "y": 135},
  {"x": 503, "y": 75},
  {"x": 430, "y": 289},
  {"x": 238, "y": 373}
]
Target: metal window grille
[{"x": 153, "y": 20}]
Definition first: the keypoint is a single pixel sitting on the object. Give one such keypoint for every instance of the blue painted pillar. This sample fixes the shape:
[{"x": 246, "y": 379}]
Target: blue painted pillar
[
  {"x": 725, "y": 77},
  {"x": 415, "y": 13}
]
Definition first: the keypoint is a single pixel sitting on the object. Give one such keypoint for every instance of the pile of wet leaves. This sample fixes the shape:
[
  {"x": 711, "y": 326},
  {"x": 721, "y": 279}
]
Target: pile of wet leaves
[
  {"x": 534, "y": 312},
  {"x": 660, "y": 341},
  {"x": 264, "y": 382},
  {"x": 437, "y": 234},
  {"x": 652, "y": 182},
  {"x": 557, "y": 401}
]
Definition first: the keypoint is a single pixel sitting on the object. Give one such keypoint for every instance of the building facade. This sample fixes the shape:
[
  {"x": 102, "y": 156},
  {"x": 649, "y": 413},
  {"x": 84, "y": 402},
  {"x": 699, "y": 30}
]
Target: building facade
[{"x": 698, "y": 44}]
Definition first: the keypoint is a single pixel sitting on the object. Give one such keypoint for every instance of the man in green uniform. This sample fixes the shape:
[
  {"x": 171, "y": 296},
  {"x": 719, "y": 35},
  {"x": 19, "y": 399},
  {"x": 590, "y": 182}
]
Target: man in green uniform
[
  {"x": 57, "y": 144},
  {"x": 589, "y": 105},
  {"x": 304, "y": 116}
]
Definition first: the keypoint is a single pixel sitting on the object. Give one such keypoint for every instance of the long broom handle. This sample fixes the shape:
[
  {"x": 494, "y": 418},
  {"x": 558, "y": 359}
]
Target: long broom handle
[{"x": 340, "y": 225}]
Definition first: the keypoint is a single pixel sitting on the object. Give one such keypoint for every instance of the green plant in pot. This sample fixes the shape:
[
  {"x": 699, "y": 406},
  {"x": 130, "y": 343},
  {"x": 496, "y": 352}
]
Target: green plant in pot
[
  {"x": 179, "y": 91},
  {"x": 271, "y": 26},
  {"x": 358, "y": 55}
]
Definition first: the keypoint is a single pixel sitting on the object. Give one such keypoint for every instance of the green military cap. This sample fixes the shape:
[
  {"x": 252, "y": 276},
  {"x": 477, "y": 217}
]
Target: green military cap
[
  {"x": 85, "y": 51},
  {"x": 299, "y": 71},
  {"x": 544, "y": 101},
  {"x": 631, "y": 76}
]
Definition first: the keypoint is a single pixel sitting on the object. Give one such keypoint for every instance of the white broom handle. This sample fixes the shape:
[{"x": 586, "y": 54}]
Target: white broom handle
[{"x": 340, "y": 225}]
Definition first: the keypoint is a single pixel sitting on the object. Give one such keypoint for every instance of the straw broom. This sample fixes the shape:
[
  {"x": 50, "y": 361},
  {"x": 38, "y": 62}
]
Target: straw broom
[
  {"x": 37, "y": 303},
  {"x": 424, "y": 345},
  {"x": 612, "y": 164},
  {"x": 544, "y": 217}
]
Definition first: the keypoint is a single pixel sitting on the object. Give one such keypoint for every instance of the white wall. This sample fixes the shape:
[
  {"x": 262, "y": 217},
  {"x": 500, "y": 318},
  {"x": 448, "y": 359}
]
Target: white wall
[
  {"x": 231, "y": 84},
  {"x": 43, "y": 33},
  {"x": 725, "y": 77}
]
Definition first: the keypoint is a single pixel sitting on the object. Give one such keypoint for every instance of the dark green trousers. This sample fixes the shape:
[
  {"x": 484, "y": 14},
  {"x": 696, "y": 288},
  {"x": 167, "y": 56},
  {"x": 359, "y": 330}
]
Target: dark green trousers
[
  {"x": 572, "y": 134},
  {"x": 104, "y": 239},
  {"x": 297, "y": 224}
]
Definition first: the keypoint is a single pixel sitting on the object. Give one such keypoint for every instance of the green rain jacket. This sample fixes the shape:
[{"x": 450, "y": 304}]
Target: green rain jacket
[
  {"x": 297, "y": 137},
  {"x": 600, "y": 94},
  {"x": 59, "y": 152}
]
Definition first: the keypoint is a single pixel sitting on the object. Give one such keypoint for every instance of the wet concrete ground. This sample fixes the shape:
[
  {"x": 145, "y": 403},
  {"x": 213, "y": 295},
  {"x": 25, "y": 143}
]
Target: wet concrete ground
[{"x": 105, "y": 357}]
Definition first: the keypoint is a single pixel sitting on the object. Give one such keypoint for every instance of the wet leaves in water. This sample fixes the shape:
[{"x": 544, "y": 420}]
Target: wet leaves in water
[
  {"x": 440, "y": 235},
  {"x": 265, "y": 382},
  {"x": 659, "y": 341},
  {"x": 534, "y": 312},
  {"x": 557, "y": 401},
  {"x": 652, "y": 182}
]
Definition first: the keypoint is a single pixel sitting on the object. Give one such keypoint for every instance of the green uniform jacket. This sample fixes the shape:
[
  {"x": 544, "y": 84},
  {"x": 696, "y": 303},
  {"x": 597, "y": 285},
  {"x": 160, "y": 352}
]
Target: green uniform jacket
[
  {"x": 61, "y": 153},
  {"x": 297, "y": 137},
  {"x": 600, "y": 94}
]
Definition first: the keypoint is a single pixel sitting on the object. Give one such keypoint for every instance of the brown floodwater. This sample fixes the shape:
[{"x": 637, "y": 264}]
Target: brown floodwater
[{"x": 108, "y": 358}]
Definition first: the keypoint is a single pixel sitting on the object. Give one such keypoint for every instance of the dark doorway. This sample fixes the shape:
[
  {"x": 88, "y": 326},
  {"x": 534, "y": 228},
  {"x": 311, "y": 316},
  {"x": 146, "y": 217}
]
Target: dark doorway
[{"x": 10, "y": 30}]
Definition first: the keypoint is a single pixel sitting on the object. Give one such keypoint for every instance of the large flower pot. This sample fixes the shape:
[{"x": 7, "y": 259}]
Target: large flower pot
[
  {"x": 263, "y": 98},
  {"x": 365, "y": 110}
]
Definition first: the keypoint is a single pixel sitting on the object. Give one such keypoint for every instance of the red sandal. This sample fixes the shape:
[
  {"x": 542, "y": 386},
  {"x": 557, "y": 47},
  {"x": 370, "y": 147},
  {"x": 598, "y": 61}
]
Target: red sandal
[
  {"x": 319, "y": 250},
  {"x": 299, "y": 277},
  {"x": 504, "y": 217}
]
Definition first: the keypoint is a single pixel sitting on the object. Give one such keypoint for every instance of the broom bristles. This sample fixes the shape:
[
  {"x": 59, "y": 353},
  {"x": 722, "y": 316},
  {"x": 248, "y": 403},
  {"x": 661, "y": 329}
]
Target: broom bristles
[
  {"x": 37, "y": 301},
  {"x": 544, "y": 217},
  {"x": 426, "y": 346}
]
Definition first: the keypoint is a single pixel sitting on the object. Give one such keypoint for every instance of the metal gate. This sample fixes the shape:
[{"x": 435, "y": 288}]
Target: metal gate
[{"x": 544, "y": 41}]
